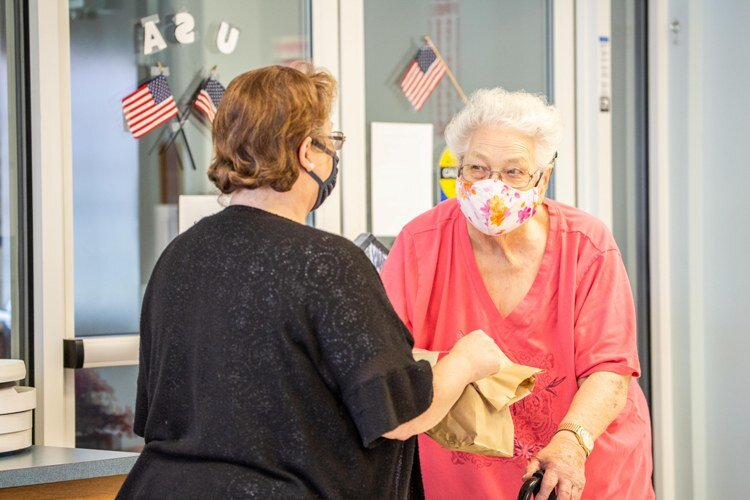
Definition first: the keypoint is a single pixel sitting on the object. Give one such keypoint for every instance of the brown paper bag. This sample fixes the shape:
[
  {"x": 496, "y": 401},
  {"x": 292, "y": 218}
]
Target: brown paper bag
[{"x": 480, "y": 421}]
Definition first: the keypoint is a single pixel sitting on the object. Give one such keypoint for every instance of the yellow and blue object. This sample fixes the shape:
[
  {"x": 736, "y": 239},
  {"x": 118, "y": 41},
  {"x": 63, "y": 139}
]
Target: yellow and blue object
[{"x": 448, "y": 167}]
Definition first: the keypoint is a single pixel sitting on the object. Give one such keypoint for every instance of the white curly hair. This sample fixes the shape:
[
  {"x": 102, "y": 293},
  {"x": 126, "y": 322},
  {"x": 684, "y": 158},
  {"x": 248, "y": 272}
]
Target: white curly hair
[{"x": 527, "y": 113}]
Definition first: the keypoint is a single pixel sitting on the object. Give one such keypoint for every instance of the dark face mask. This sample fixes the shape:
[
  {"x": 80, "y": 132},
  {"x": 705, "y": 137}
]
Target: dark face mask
[{"x": 325, "y": 187}]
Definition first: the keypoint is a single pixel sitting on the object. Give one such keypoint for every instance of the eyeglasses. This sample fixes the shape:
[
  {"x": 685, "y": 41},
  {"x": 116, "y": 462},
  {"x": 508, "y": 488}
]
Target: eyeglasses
[
  {"x": 514, "y": 177},
  {"x": 323, "y": 148},
  {"x": 338, "y": 139}
]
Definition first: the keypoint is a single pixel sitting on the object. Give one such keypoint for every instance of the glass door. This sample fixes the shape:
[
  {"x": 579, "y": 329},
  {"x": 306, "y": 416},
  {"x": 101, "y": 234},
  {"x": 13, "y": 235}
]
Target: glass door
[
  {"x": 126, "y": 191},
  {"x": 485, "y": 44}
]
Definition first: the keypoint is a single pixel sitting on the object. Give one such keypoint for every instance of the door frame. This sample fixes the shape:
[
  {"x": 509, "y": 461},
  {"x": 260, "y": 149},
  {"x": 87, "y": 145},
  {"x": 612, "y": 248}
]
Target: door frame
[
  {"x": 52, "y": 189},
  {"x": 564, "y": 90},
  {"x": 594, "y": 192}
]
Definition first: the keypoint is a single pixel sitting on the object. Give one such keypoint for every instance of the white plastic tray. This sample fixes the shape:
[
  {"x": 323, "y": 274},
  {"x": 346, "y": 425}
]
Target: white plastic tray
[
  {"x": 15, "y": 422},
  {"x": 15, "y": 441},
  {"x": 16, "y": 399},
  {"x": 11, "y": 370}
]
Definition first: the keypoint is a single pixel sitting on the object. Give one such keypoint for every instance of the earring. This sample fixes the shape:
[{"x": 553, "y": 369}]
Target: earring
[{"x": 312, "y": 166}]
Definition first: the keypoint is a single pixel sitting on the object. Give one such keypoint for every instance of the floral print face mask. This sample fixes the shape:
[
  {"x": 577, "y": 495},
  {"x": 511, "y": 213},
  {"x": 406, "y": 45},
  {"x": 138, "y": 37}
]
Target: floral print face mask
[{"x": 495, "y": 208}]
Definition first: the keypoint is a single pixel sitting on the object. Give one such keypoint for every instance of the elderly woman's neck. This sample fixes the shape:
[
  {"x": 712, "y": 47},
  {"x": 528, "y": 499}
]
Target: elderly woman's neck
[{"x": 281, "y": 204}]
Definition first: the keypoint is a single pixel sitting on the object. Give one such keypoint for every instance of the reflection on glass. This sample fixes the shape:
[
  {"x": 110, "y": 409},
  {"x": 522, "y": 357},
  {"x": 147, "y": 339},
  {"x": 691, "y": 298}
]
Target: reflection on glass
[
  {"x": 9, "y": 344},
  {"x": 486, "y": 44},
  {"x": 126, "y": 191},
  {"x": 105, "y": 406}
]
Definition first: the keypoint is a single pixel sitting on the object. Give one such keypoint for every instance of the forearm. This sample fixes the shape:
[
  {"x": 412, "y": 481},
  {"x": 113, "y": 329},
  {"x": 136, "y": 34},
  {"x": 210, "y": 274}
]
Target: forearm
[
  {"x": 450, "y": 376},
  {"x": 599, "y": 400}
]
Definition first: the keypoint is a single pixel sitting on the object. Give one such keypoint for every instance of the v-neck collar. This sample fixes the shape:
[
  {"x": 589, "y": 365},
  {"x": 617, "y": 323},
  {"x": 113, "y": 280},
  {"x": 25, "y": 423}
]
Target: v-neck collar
[{"x": 521, "y": 313}]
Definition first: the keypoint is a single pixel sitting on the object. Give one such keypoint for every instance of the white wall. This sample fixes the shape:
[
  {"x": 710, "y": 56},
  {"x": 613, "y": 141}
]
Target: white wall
[
  {"x": 705, "y": 146},
  {"x": 726, "y": 235}
]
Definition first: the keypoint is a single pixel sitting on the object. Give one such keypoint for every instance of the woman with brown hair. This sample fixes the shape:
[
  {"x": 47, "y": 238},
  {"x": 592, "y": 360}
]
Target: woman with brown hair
[{"x": 272, "y": 363}]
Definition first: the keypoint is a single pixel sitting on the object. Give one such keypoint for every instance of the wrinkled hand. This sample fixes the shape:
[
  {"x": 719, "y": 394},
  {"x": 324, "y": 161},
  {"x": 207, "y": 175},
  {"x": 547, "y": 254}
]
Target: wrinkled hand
[
  {"x": 563, "y": 461},
  {"x": 481, "y": 354}
]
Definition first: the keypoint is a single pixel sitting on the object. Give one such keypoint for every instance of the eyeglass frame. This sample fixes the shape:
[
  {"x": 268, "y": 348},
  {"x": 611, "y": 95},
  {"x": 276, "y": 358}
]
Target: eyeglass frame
[
  {"x": 337, "y": 138},
  {"x": 490, "y": 172}
]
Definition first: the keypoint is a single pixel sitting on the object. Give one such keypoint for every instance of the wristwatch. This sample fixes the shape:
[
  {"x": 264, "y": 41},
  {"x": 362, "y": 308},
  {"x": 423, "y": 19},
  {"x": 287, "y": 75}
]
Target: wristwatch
[{"x": 584, "y": 437}]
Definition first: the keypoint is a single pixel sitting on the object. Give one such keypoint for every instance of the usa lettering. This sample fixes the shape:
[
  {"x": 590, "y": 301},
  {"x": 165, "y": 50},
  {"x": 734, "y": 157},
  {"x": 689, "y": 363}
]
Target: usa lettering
[{"x": 184, "y": 33}]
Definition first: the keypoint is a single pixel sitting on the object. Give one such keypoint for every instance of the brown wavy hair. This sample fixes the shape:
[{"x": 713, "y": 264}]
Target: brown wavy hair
[{"x": 263, "y": 118}]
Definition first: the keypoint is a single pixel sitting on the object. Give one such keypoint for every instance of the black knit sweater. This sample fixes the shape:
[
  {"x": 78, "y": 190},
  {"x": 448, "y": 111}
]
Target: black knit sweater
[{"x": 271, "y": 363}]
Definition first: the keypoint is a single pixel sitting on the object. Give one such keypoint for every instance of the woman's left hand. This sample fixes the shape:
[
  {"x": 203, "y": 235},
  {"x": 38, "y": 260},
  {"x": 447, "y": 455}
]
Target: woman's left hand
[{"x": 563, "y": 461}]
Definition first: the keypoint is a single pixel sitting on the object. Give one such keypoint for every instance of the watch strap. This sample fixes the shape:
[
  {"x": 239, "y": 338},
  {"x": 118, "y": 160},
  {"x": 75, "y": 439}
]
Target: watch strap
[{"x": 578, "y": 431}]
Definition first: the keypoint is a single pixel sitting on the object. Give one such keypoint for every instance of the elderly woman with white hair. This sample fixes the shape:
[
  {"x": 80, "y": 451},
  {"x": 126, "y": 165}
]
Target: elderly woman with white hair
[{"x": 546, "y": 281}]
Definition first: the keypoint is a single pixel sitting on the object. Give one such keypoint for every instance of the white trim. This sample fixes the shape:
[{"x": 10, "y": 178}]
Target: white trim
[
  {"x": 325, "y": 52},
  {"x": 352, "y": 97},
  {"x": 662, "y": 404},
  {"x": 52, "y": 212},
  {"x": 696, "y": 216},
  {"x": 593, "y": 127},
  {"x": 564, "y": 82}
]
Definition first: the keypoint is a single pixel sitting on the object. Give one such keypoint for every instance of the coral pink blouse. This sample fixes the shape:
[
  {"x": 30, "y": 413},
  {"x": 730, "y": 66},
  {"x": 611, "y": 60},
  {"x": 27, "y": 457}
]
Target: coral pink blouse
[{"x": 578, "y": 318}]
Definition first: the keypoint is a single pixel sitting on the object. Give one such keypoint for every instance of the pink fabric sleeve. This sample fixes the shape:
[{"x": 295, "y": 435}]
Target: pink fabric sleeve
[
  {"x": 399, "y": 275},
  {"x": 605, "y": 327}
]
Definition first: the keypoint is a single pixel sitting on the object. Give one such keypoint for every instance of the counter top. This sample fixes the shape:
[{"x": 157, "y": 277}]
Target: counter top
[{"x": 49, "y": 464}]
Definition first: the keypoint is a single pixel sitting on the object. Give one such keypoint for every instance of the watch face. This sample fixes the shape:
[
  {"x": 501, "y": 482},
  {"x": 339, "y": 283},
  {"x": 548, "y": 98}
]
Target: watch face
[{"x": 588, "y": 440}]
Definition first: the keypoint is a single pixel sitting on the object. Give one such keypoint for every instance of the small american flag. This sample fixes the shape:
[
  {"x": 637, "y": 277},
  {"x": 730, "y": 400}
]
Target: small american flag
[
  {"x": 422, "y": 76},
  {"x": 149, "y": 107},
  {"x": 209, "y": 97}
]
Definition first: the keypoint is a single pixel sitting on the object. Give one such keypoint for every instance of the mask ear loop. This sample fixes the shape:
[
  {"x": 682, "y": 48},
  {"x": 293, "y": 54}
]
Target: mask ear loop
[{"x": 551, "y": 162}]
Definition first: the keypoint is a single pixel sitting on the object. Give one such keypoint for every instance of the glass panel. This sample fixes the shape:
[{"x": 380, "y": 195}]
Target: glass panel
[
  {"x": 629, "y": 161},
  {"x": 485, "y": 44},
  {"x": 5, "y": 275},
  {"x": 125, "y": 191},
  {"x": 105, "y": 406},
  {"x": 12, "y": 342}
]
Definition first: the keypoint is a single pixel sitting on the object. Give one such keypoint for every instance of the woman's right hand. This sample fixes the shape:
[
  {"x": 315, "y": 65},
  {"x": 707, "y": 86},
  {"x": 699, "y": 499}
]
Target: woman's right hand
[
  {"x": 481, "y": 353},
  {"x": 474, "y": 357}
]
